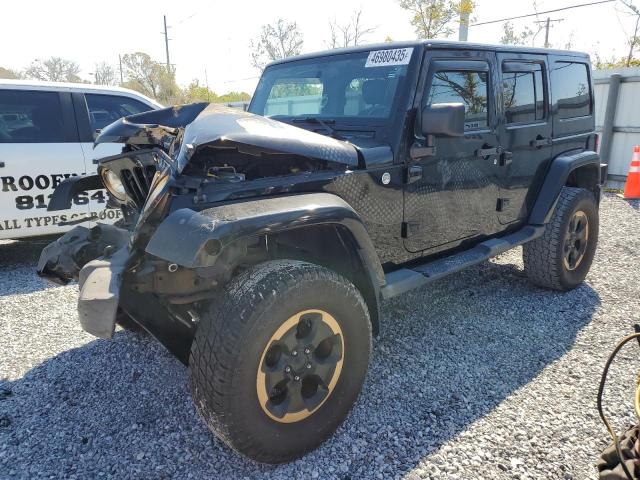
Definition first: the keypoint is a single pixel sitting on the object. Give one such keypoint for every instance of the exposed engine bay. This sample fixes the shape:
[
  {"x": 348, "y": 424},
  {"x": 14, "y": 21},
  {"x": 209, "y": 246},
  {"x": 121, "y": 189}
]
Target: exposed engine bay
[{"x": 234, "y": 165}]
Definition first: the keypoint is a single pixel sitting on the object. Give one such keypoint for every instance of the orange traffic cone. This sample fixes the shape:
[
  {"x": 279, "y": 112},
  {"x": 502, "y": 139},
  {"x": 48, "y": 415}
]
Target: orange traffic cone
[{"x": 632, "y": 187}]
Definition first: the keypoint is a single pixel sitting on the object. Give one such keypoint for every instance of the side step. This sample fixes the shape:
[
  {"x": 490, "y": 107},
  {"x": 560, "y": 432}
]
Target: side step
[{"x": 405, "y": 279}]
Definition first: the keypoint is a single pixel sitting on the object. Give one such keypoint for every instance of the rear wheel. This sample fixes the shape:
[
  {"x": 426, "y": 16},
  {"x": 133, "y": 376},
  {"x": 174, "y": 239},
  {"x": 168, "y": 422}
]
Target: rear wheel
[
  {"x": 562, "y": 257},
  {"x": 279, "y": 359}
]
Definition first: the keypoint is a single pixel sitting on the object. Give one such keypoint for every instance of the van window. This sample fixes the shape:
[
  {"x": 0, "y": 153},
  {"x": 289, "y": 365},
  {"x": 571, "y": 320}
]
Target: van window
[
  {"x": 523, "y": 95},
  {"x": 106, "y": 109},
  {"x": 28, "y": 116},
  {"x": 570, "y": 87},
  {"x": 469, "y": 88}
]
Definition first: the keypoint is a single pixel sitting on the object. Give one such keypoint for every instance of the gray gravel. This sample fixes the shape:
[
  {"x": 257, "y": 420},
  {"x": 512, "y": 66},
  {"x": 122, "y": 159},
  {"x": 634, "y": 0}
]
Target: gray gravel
[{"x": 478, "y": 376}]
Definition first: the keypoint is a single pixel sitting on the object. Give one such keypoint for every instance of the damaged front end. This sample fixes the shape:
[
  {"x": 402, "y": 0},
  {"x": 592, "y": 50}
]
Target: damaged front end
[{"x": 175, "y": 163}]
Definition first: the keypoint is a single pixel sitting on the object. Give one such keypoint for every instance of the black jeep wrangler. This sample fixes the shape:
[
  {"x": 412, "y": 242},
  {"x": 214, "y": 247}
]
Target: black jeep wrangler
[{"x": 257, "y": 246}]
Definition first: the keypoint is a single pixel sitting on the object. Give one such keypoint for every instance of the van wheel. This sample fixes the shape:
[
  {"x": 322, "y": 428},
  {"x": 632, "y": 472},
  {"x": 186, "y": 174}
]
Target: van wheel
[
  {"x": 562, "y": 257},
  {"x": 279, "y": 359}
]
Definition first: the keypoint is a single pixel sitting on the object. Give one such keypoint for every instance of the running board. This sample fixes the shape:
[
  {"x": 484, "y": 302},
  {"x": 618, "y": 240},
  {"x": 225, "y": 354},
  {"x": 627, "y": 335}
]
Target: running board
[{"x": 405, "y": 279}]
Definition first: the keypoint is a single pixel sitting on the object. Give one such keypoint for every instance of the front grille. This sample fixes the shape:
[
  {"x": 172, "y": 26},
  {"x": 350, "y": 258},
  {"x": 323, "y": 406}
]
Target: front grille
[{"x": 137, "y": 182}]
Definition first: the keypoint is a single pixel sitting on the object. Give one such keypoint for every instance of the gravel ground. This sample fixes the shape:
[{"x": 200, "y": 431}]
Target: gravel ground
[{"x": 480, "y": 375}]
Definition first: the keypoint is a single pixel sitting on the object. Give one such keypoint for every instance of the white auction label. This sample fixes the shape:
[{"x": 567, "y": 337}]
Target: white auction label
[{"x": 385, "y": 58}]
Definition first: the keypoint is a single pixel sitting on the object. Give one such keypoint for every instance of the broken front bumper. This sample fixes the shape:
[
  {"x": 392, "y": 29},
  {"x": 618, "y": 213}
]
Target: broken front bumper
[
  {"x": 97, "y": 258},
  {"x": 100, "y": 282}
]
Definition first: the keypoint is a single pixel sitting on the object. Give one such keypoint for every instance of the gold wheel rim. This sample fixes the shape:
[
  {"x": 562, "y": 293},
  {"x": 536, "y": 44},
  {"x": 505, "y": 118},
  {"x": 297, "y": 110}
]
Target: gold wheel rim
[
  {"x": 297, "y": 360},
  {"x": 576, "y": 241}
]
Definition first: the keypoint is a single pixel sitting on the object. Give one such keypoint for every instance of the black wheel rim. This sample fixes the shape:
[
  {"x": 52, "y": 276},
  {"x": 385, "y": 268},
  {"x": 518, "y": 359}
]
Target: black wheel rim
[
  {"x": 300, "y": 366},
  {"x": 575, "y": 241}
]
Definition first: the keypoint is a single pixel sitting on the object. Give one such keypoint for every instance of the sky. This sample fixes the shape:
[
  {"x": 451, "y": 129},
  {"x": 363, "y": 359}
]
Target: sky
[{"x": 210, "y": 39}]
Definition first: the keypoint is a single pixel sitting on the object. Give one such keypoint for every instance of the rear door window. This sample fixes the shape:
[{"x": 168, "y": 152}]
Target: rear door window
[
  {"x": 522, "y": 92},
  {"x": 469, "y": 88},
  {"x": 106, "y": 109},
  {"x": 29, "y": 116},
  {"x": 571, "y": 89}
]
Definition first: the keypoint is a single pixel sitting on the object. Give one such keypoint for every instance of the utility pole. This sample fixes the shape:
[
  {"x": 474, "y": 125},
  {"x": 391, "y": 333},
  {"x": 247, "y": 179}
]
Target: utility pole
[
  {"x": 463, "y": 32},
  {"x": 121, "y": 76},
  {"x": 547, "y": 27},
  {"x": 466, "y": 7},
  {"x": 166, "y": 43},
  {"x": 206, "y": 82}
]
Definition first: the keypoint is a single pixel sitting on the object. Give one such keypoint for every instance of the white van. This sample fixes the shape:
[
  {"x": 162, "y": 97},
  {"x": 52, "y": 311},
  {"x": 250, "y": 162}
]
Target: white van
[{"x": 46, "y": 135}]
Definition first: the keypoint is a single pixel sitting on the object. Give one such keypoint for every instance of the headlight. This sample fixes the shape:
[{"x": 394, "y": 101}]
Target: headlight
[{"x": 114, "y": 184}]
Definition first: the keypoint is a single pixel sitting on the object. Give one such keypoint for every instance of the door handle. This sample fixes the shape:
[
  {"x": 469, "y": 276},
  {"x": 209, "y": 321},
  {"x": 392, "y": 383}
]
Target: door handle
[
  {"x": 540, "y": 142},
  {"x": 413, "y": 174},
  {"x": 1, "y": 164},
  {"x": 487, "y": 151},
  {"x": 506, "y": 158}
]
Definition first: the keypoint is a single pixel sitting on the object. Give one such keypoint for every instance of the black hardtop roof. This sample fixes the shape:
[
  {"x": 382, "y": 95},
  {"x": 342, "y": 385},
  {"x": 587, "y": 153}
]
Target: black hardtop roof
[{"x": 432, "y": 44}]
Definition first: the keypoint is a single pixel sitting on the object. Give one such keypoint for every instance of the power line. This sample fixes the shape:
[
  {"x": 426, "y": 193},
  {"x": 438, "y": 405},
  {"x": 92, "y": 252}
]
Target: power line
[{"x": 542, "y": 13}]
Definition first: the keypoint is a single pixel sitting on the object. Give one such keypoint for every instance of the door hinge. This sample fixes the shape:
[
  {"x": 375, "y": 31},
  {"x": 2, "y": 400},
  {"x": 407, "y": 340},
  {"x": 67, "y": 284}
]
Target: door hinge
[
  {"x": 502, "y": 204},
  {"x": 403, "y": 229}
]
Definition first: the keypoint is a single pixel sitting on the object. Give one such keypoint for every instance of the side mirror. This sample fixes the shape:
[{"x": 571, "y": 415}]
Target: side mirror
[{"x": 443, "y": 120}]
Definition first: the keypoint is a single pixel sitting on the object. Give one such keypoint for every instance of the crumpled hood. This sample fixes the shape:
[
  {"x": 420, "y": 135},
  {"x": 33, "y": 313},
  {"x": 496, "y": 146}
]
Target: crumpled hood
[{"x": 181, "y": 130}]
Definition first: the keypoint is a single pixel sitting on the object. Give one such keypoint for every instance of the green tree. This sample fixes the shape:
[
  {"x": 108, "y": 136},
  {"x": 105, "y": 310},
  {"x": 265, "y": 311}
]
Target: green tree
[
  {"x": 434, "y": 18},
  {"x": 633, "y": 40},
  {"x": 510, "y": 37},
  {"x": 150, "y": 78},
  {"x": 195, "y": 92},
  {"x": 9, "y": 74},
  {"x": 234, "y": 97},
  {"x": 54, "y": 69},
  {"x": 142, "y": 73},
  {"x": 281, "y": 40}
]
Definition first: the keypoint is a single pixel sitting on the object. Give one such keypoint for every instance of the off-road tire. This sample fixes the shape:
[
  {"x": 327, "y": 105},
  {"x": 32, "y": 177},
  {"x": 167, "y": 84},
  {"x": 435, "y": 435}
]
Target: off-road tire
[
  {"x": 544, "y": 258},
  {"x": 231, "y": 340},
  {"x": 609, "y": 465}
]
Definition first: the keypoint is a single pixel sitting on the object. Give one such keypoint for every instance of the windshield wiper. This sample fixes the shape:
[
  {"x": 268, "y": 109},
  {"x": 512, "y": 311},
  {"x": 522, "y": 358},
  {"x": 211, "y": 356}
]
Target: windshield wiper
[{"x": 324, "y": 124}]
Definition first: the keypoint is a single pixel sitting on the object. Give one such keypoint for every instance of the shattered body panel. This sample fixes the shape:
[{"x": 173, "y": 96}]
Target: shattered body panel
[{"x": 189, "y": 127}]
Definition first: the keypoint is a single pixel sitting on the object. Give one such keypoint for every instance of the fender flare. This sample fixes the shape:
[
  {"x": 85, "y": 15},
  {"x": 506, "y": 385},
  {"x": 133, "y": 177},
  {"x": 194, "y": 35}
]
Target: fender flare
[
  {"x": 197, "y": 239},
  {"x": 556, "y": 178}
]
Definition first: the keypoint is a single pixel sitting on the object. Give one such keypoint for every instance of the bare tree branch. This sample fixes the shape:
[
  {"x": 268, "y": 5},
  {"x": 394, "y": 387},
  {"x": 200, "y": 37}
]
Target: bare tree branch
[
  {"x": 104, "y": 74},
  {"x": 277, "y": 41},
  {"x": 349, "y": 34},
  {"x": 54, "y": 69}
]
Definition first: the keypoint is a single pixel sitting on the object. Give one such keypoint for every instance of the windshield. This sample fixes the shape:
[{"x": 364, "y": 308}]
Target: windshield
[{"x": 363, "y": 85}]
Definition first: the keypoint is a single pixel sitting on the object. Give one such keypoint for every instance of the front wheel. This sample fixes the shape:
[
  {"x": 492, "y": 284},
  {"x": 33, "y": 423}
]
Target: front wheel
[
  {"x": 562, "y": 257},
  {"x": 279, "y": 359}
]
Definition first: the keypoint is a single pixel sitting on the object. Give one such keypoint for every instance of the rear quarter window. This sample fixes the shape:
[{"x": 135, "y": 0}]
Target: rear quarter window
[
  {"x": 29, "y": 116},
  {"x": 571, "y": 89}
]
